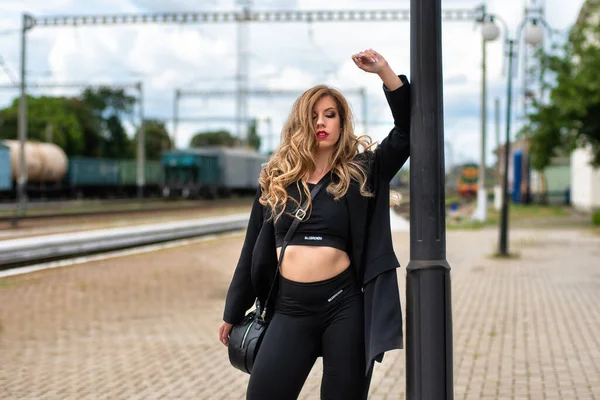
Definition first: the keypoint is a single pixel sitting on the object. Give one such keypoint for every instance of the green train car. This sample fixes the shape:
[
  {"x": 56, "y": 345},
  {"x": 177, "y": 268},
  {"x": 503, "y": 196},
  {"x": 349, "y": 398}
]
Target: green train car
[
  {"x": 103, "y": 177},
  {"x": 91, "y": 176},
  {"x": 190, "y": 173},
  {"x": 211, "y": 171},
  {"x": 153, "y": 177}
]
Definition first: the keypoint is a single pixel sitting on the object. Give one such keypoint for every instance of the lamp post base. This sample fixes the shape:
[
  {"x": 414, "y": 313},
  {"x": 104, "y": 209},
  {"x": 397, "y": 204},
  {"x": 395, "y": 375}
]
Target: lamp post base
[
  {"x": 480, "y": 213},
  {"x": 497, "y": 197},
  {"x": 429, "y": 331}
]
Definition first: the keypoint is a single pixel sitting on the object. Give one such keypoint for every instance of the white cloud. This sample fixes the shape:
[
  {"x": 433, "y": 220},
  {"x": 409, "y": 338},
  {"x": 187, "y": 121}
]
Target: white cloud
[{"x": 291, "y": 78}]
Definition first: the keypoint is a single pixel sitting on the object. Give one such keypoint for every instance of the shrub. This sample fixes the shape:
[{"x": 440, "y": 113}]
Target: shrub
[{"x": 596, "y": 218}]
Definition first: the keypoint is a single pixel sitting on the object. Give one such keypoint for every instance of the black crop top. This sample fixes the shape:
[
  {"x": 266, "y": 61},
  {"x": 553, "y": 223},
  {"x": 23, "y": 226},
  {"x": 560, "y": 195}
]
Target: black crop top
[{"x": 326, "y": 225}]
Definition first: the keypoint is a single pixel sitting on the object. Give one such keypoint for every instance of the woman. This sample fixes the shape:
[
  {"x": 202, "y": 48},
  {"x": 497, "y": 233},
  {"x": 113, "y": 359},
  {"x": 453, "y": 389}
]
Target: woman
[{"x": 337, "y": 291}]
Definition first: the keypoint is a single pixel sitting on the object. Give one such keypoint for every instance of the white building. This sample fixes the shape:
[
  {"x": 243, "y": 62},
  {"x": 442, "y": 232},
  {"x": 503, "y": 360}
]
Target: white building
[{"x": 585, "y": 181}]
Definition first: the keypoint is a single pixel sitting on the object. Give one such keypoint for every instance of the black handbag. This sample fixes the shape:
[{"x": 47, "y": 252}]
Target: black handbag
[{"x": 245, "y": 338}]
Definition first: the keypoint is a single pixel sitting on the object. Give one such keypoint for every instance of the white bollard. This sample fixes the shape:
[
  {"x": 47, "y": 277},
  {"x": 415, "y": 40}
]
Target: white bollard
[{"x": 497, "y": 197}]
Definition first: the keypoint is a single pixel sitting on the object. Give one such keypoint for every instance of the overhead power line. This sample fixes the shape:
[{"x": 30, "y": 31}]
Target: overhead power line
[
  {"x": 74, "y": 85},
  {"x": 9, "y": 32},
  {"x": 8, "y": 71},
  {"x": 246, "y": 15}
]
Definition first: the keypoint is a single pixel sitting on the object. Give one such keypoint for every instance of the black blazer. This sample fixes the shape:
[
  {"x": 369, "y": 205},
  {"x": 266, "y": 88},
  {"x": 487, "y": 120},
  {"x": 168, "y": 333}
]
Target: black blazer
[{"x": 371, "y": 254}]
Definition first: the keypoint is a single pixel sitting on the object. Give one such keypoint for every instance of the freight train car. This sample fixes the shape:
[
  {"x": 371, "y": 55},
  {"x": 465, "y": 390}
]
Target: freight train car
[
  {"x": 239, "y": 168},
  {"x": 103, "y": 177},
  {"x": 46, "y": 165},
  {"x": 5, "y": 171},
  {"x": 211, "y": 171},
  {"x": 190, "y": 173},
  {"x": 92, "y": 177},
  {"x": 153, "y": 178}
]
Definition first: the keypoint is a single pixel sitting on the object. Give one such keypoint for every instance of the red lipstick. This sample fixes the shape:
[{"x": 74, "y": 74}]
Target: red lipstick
[{"x": 322, "y": 134}]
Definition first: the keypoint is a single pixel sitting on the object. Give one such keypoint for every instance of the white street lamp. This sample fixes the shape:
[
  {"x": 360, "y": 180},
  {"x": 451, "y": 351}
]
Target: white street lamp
[
  {"x": 490, "y": 31},
  {"x": 534, "y": 34}
]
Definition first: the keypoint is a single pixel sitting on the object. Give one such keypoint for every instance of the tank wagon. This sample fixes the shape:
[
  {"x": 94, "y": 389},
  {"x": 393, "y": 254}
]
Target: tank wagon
[{"x": 46, "y": 166}]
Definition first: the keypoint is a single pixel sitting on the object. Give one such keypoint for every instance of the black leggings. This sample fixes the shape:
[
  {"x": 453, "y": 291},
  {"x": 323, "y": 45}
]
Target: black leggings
[{"x": 313, "y": 319}]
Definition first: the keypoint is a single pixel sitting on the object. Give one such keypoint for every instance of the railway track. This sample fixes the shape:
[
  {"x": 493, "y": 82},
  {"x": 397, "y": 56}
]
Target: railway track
[{"x": 113, "y": 209}]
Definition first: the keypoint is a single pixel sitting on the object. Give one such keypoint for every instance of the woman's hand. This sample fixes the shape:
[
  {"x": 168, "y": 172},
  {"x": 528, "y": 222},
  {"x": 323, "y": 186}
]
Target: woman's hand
[
  {"x": 224, "y": 332},
  {"x": 370, "y": 61}
]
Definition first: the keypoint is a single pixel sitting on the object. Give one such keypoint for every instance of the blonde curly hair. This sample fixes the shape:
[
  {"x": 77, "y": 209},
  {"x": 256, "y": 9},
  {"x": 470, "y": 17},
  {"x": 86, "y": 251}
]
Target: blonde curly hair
[{"x": 294, "y": 161}]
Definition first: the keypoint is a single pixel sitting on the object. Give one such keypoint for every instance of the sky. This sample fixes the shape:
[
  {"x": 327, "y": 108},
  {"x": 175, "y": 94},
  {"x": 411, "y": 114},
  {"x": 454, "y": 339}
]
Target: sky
[{"x": 292, "y": 56}]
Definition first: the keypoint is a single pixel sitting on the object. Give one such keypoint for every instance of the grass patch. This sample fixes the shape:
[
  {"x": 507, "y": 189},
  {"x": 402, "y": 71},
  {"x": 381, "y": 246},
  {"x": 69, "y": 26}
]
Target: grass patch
[
  {"x": 521, "y": 212},
  {"x": 596, "y": 218},
  {"x": 5, "y": 284},
  {"x": 509, "y": 256},
  {"x": 453, "y": 199},
  {"x": 517, "y": 213}
]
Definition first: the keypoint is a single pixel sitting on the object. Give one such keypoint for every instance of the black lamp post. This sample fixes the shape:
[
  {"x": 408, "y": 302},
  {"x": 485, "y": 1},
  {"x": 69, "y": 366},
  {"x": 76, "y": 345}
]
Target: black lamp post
[
  {"x": 503, "y": 240},
  {"x": 428, "y": 304}
]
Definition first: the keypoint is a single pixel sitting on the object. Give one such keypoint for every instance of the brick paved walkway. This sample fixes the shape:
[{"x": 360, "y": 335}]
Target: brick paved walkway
[{"x": 145, "y": 326}]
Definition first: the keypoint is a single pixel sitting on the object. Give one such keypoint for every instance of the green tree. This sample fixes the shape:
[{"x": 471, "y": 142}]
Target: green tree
[
  {"x": 570, "y": 118},
  {"x": 213, "y": 138},
  {"x": 56, "y": 113},
  {"x": 109, "y": 106},
  {"x": 156, "y": 137},
  {"x": 93, "y": 143},
  {"x": 118, "y": 144},
  {"x": 107, "y": 101},
  {"x": 89, "y": 125}
]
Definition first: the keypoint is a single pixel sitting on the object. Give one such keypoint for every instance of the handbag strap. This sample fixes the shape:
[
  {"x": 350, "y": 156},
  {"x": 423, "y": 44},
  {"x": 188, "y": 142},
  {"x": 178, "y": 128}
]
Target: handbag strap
[{"x": 299, "y": 216}]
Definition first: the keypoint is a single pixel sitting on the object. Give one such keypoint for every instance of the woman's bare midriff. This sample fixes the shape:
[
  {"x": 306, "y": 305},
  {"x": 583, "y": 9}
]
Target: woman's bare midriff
[{"x": 312, "y": 263}]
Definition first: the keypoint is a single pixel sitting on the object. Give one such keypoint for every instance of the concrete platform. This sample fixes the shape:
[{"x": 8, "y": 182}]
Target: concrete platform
[
  {"x": 36, "y": 248},
  {"x": 145, "y": 326}
]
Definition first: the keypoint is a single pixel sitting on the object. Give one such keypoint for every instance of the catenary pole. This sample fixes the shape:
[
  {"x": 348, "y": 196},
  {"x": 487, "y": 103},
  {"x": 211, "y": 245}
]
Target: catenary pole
[
  {"x": 22, "y": 127},
  {"x": 141, "y": 144}
]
